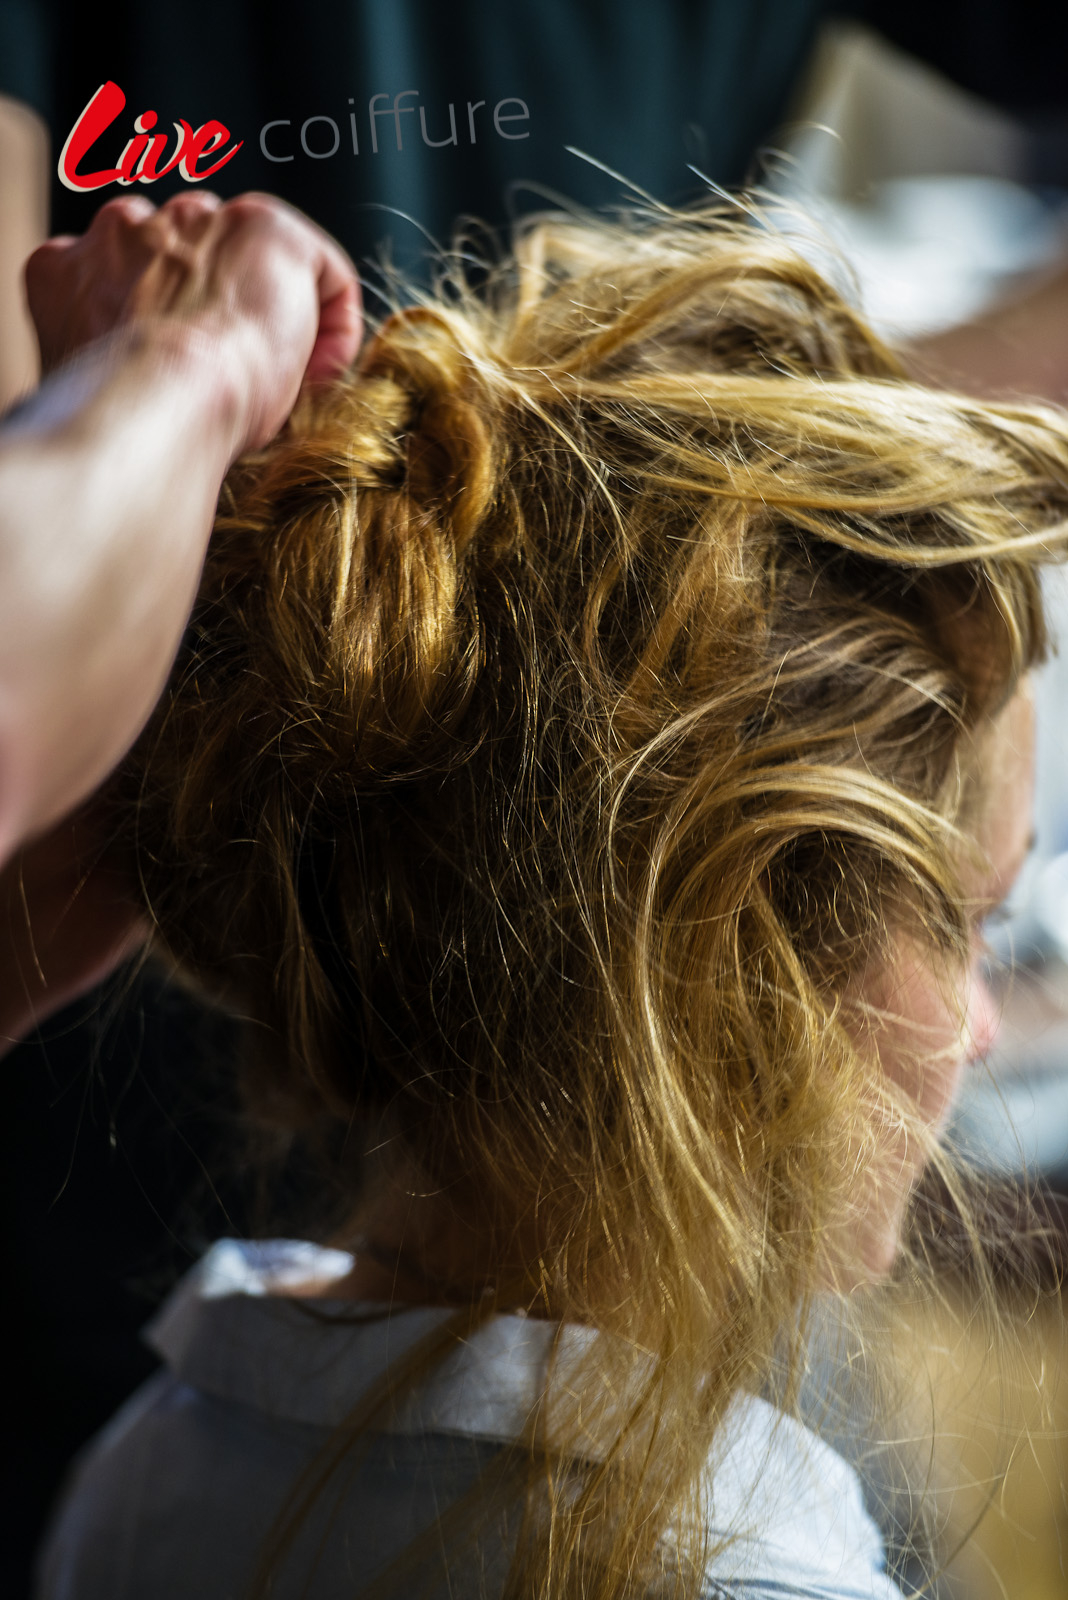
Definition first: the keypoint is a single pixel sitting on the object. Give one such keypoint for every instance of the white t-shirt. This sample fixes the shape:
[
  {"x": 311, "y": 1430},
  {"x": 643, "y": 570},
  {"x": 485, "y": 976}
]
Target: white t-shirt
[{"x": 174, "y": 1499}]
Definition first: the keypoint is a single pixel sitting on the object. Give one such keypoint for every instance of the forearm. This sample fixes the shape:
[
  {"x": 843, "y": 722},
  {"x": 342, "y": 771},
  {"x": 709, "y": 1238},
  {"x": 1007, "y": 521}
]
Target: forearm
[
  {"x": 23, "y": 224},
  {"x": 1018, "y": 347},
  {"x": 108, "y": 482}
]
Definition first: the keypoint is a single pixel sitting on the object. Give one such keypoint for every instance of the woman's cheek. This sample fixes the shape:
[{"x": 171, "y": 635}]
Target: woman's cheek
[
  {"x": 923, "y": 1030},
  {"x": 984, "y": 1015}
]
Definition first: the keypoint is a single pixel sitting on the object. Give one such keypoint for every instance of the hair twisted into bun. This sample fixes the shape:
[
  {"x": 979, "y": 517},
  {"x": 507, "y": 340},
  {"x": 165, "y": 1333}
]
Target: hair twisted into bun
[
  {"x": 334, "y": 651},
  {"x": 578, "y": 696}
]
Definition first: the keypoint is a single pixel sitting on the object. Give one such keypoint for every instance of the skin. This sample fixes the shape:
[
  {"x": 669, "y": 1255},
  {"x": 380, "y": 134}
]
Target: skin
[
  {"x": 926, "y": 1025},
  {"x": 191, "y": 330},
  {"x": 66, "y": 921},
  {"x": 923, "y": 1024},
  {"x": 24, "y": 178},
  {"x": 1018, "y": 346},
  {"x": 173, "y": 340},
  {"x": 177, "y": 339}
]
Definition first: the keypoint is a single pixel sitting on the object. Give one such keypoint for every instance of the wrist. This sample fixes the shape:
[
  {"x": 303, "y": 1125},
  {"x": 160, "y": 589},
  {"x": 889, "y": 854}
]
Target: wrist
[{"x": 202, "y": 355}]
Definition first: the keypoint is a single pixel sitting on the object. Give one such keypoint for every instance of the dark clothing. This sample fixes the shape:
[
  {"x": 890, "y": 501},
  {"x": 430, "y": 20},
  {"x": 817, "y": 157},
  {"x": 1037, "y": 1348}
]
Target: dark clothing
[
  {"x": 500, "y": 97},
  {"x": 645, "y": 86}
]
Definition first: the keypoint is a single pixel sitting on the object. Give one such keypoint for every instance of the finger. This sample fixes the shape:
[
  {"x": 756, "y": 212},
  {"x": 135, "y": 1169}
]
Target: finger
[
  {"x": 43, "y": 276},
  {"x": 191, "y": 214},
  {"x": 340, "y": 326},
  {"x": 41, "y": 266},
  {"x": 47, "y": 255},
  {"x": 125, "y": 210},
  {"x": 192, "y": 200},
  {"x": 340, "y": 330},
  {"x": 57, "y": 243},
  {"x": 337, "y": 341},
  {"x": 335, "y": 270}
]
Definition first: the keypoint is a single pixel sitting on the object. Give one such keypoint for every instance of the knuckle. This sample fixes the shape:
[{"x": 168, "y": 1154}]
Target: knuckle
[
  {"x": 123, "y": 209},
  {"x": 189, "y": 217},
  {"x": 245, "y": 208},
  {"x": 258, "y": 209},
  {"x": 158, "y": 229},
  {"x": 195, "y": 204},
  {"x": 45, "y": 256}
]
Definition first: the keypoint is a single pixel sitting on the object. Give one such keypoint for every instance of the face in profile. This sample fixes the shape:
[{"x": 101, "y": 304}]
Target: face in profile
[{"x": 925, "y": 1023}]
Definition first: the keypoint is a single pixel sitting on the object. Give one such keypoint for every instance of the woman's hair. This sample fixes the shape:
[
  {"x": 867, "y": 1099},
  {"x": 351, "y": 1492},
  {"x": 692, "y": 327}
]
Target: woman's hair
[{"x": 581, "y": 697}]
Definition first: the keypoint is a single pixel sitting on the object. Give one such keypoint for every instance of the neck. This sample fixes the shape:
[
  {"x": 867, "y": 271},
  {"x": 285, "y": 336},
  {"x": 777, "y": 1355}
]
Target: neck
[{"x": 418, "y": 1244}]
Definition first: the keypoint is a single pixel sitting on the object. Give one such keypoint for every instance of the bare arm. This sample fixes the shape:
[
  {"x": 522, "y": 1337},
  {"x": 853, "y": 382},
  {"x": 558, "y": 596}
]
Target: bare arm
[
  {"x": 1018, "y": 347},
  {"x": 115, "y": 467},
  {"x": 110, "y": 472},
  {"x": 191, "y": 330},
  {"x": 23, "y": 224}
]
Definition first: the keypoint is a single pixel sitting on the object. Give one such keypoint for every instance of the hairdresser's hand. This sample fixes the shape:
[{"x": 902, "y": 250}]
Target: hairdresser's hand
[
  {"x": 192, "y": 329},
  {"x": 273, "y": 295},
  {"x": 68, "y": 916}
]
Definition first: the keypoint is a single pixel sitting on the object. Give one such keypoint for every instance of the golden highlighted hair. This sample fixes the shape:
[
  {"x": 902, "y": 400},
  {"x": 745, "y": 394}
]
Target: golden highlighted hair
[{"x": 577, "y": 702}]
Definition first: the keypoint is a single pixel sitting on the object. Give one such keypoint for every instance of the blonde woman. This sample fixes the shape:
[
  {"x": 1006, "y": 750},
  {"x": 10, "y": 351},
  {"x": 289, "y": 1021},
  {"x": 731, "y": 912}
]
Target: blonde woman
[{"x": 602, "y": 731}]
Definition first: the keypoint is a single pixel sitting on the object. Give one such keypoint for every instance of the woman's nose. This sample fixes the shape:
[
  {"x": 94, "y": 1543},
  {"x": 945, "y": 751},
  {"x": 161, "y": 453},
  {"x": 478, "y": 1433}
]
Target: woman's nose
[{"x": 981, "y": 1023}]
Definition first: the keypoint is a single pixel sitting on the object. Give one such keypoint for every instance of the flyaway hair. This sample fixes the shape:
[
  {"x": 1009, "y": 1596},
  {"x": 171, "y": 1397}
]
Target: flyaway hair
[{"x": 579, "y": 699}]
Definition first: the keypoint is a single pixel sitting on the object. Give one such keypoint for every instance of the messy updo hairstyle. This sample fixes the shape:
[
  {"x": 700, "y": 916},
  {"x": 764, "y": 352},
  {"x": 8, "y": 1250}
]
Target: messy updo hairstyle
[{"x": 578, "y": 702}]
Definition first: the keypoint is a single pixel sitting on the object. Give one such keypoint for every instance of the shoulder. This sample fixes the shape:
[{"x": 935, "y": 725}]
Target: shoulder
[
  {"x": 258, "y": 1383},
  {"x": 786, "y": 1515}
]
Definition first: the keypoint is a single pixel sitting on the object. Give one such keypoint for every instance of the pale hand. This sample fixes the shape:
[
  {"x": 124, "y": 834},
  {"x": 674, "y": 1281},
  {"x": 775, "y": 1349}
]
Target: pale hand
[{"x": 279, "y": 298}]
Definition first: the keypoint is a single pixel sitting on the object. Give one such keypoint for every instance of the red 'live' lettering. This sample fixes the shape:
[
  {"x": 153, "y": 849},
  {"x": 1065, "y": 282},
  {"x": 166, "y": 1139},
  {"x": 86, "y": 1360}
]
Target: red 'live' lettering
[{"x": 142, "y": 159}]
